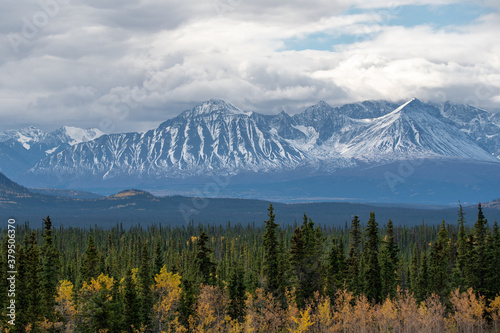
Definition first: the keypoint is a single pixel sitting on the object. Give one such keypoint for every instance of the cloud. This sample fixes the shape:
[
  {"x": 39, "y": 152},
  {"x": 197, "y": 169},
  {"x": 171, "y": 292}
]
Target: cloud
[{"x": 128, "y": 65}]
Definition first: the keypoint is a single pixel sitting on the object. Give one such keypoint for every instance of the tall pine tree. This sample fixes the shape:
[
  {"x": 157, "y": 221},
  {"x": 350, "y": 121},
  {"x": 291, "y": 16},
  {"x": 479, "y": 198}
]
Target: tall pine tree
[
  {"x": 438, "y": 269},
  {"x": 389, "y": 263},
  {"x": 90, "y": 263},
  {"x": 479, "y": 252},
  {"x": 205, "y": 266},
  {"x": 373, "y": 281},
  {"x": 462, "y": 254},
  {"x": 50, "y": 271},
  {"x": 271, "y": 254},
  {"x": 353, "y": 261},
  {"x": 422, "y": 282},
  {"x": 132, "y": 305}
]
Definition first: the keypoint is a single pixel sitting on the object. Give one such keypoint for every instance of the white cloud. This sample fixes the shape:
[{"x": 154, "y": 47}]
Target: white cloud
[{"x": 134, "y": 64}]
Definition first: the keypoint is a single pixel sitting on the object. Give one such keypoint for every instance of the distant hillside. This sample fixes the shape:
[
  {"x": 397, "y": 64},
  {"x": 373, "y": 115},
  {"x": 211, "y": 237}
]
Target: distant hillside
[
  {"x": 66, "y": 193},
  {"x": 134, "y": 207}
]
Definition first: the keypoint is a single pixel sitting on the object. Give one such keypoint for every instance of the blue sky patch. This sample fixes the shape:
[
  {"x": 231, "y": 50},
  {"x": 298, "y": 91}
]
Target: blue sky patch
[{"x": 438, "y": 17}]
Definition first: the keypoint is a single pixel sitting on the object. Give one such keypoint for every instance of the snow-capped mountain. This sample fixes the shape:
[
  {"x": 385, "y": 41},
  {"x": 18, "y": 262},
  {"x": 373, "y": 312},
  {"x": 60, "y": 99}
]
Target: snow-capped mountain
[
  {"x": 216, "y": 137},
  {"x": 212, "y": 137},
  {"x": 22, "y": 149},
  {"x": 64, "y": 135}
]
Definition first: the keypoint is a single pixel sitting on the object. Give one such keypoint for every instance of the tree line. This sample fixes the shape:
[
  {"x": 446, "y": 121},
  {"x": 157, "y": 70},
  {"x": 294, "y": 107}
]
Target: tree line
[{"x": 300, "y": 278}]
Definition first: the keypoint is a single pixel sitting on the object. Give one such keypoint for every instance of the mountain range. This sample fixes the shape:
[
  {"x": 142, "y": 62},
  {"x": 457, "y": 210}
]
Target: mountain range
[{"x": 412, "y": 151}]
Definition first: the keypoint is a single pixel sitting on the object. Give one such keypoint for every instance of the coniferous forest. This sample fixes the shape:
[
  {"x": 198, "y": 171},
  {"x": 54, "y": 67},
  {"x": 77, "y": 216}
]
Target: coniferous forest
[{"x": 369, "y": 276}]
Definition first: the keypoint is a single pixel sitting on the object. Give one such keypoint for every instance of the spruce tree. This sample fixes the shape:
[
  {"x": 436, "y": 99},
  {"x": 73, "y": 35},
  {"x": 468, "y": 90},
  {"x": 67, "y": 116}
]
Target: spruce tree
[
  {"x": 132, "y": 305},
  {"x": 205, "y": 266},
  {"x": 341, "y": 274},
  {"x": 373, "y": 281},
  {"x": 159, "y": 258},
  {"x": 298, "y": 264},
  {"x": 462, "y": 254},
  {"x": 353, "y": 261},
  {"x": 335, "y": 268},
  {"x": 90, "y": 263},
  {"x": 50, "y": 271},
  {"x": 413, "y": 275},
  {"x": 306, "y": 250},
  {"x": 271, "y": 254},
  {"x": 438, "y": 270},
  {"x": 479, "y": 263},
  {"x": 422, "y": 283},
  {"x": 117, "y": 308},
  {"x": 389, "y": 263}
]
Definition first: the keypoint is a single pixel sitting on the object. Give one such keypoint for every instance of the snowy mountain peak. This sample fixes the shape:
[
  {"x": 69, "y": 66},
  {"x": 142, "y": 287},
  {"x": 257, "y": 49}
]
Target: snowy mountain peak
[
  {"x": 214, "y": 106},
  {"x": 75, "y": 135},
  {"x": 411, "y": 103},
  {"x": 322, "y": 104}
]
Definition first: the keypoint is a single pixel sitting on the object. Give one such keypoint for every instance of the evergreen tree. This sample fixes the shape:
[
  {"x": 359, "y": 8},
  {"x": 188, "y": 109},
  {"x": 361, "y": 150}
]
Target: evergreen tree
[
  {"x": 298, "y": 264},
  {"x": 438, "y": 270},
  {"x": 90, "y": 263},
  {"x": 306, "y": 250},
  {"x": 341, "y": 274},
  {"x": 236, "y": 290},
  {"x": 98, "y": 311},
  {"x": 132, "y": 306},
  {"x": 413, "y": 275},
  {"x": 469, "y": 274},
  {"x": 159, "y": 258},
  {"x": 389, "y": 263},
  {"x": 373, "y": 281},
  {"x": 50, "y": 271},
  {"x": 352, "y": 274},
  {"x": 271, "y": 254},
  {"x": 460, "y": 267},
  {"x": 145, "y": 280},
  {"x": 335, "y": 268},
  {"x": 422, "y": 287},
  {"x": 479, "y": 263},
  {"x": 205, "y": 266},
  {"x": 117, "y": 308}
]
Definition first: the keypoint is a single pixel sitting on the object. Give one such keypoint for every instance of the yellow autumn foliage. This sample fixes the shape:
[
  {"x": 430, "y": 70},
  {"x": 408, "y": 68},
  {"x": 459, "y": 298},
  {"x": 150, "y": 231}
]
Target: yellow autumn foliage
[
  {"x": 303, "y": 321},
  {"x": 167, "y": 292},
  {"x": 96, "y": 285}
]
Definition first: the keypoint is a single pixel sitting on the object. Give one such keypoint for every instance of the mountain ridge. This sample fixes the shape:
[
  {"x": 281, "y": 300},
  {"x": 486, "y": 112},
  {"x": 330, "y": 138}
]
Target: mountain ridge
[{"x": 216, "y": 138}]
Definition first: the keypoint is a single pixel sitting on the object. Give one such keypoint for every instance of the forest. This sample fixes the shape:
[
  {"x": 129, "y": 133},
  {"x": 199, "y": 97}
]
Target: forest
[{"x": 300, "y": 277}]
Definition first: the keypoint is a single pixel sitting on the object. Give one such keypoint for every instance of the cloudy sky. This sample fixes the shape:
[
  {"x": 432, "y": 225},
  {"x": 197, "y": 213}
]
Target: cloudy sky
[{"x": 123, "y": 65}]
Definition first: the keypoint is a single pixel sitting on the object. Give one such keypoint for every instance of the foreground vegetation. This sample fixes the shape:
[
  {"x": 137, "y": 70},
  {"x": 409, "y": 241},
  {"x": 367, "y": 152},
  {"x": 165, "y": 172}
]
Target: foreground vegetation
[{"x": 298, "y": 278}]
